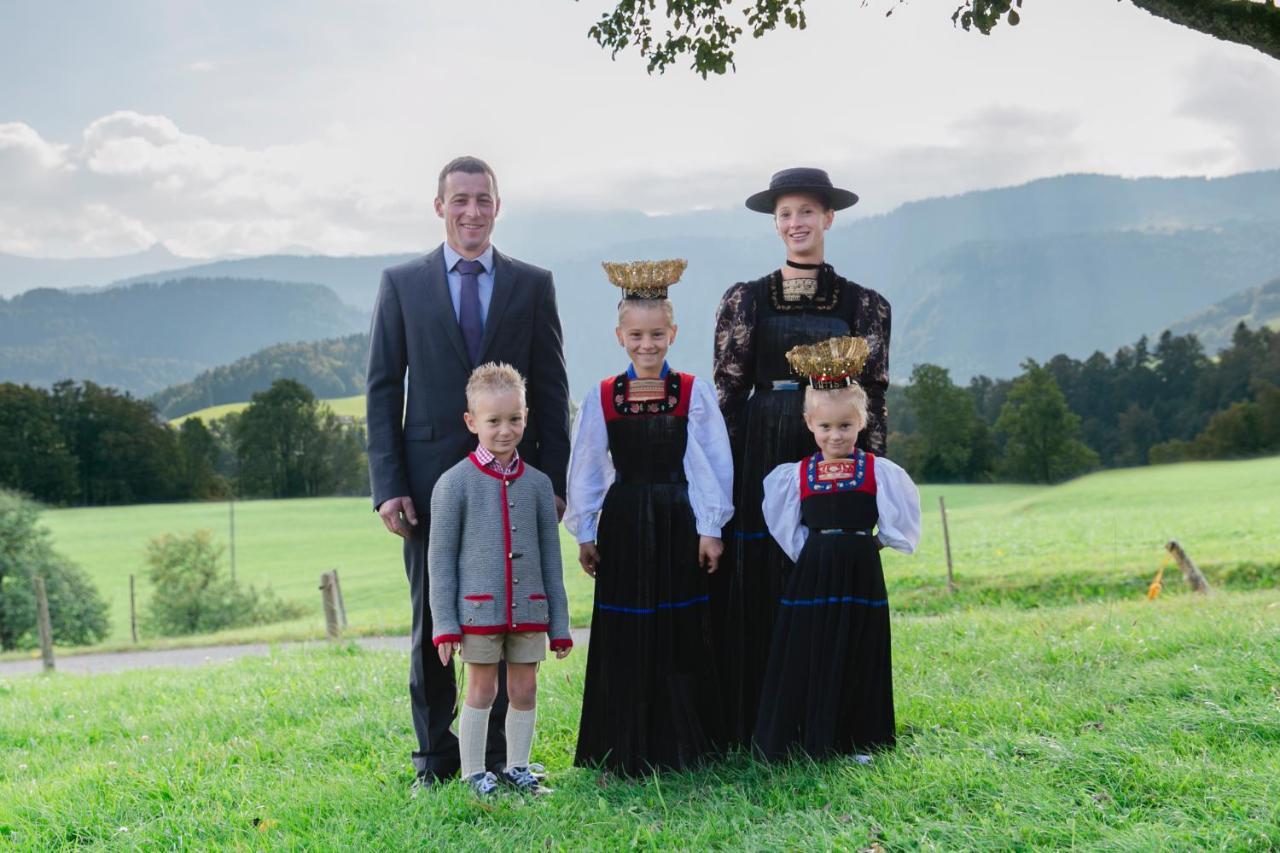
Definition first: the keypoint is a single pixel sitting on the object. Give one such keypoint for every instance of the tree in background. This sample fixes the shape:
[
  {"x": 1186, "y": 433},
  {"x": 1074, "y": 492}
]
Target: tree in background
[
  {"x": 34, "y": 457},
  {"x": 288, "y": 445},
  {"x": 707, "y": 31},
  {"x": 950, "y": 442},
  {"x": 197, "y": 455},
  {"x": 76, "y": 609},
  {"x": 127, "y": 454},
  {"x": 1042, "y": 434},
  {"x": 192, "y": 594}
]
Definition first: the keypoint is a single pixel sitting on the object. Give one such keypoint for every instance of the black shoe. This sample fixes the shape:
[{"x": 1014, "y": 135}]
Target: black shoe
[
  {"x": 422, "y": 782},
  {"x": 524, "y": 780}
]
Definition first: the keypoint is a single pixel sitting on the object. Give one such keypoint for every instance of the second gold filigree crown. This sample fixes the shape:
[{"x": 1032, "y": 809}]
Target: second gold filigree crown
[
  {"x": 833, "y": 363},
  {"x": 645, "y": 279}
]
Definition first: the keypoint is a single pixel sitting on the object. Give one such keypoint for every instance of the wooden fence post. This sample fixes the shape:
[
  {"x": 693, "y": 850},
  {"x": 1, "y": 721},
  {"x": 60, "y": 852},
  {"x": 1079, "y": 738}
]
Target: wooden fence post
[
  {"x": 1195, "y": 579},
  {"x": 133, "y": 612},
  {"x": 45, "y": 626},
  {"x": 327, "y": 594},
  {"x": 342, "y": 602},
  {"x": 946, "y": 541}
]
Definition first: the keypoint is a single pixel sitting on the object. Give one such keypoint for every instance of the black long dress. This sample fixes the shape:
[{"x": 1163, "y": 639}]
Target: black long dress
[
  {"x": 769, "y": 431},
  {"x": 828, "y": 686},
  {"x": 651, "y": 699}
]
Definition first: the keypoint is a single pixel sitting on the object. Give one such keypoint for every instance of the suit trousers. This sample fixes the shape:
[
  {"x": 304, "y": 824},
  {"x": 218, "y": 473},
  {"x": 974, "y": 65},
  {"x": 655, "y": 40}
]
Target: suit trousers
[{"x": 433, "y": 690}]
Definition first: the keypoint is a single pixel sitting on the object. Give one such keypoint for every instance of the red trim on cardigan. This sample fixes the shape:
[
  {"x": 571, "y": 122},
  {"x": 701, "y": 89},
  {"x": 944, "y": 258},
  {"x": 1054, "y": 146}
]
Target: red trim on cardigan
[
  {"x": 485, "y": 469},
  {"x": 557, "y": 645},
  {"x": 482, "y": 597},
  {"x": 446, "y": 638},
  {"x": 506, "y": 537}
]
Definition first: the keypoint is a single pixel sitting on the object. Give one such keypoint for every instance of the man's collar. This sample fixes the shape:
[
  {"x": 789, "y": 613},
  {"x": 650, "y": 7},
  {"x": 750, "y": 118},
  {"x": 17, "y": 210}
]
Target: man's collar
[{"x": 451, "y": 258}]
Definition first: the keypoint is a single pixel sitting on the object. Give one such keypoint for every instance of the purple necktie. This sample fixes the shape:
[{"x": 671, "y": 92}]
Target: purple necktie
[{"x": 469, "y": 307}]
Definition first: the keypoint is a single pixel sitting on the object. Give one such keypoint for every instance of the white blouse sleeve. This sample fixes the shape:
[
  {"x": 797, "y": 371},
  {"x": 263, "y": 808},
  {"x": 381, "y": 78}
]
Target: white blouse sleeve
[
  {"x": 708, "y": 462},
  {"x": 591, "y": 470},
  {"x": 782, "y": 508},
  {"x": 898, "y": 503}
]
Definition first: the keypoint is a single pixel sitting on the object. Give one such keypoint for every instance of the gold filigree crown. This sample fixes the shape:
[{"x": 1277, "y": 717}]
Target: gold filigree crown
[
  {"x": 833, "y": 363},
  {"x": 645, "y": 279}
]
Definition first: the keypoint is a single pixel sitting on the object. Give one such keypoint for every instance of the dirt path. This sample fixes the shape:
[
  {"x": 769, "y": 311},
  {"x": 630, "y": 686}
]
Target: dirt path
[{"x": 93, "y": 664}]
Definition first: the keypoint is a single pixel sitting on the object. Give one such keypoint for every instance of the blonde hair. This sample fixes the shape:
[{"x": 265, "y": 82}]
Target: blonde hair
[
  {"x": 854, "y": 392},
  {"x": 496, "y": 377},
  {"x": 665, "y": 304}
]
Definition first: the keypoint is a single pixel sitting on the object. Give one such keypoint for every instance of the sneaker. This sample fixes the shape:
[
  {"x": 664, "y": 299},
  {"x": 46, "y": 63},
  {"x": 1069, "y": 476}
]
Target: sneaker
[
  {"x": 484, "y": 784},
  {"x": 862, "y": 758},
  {"x": 523, "y": 779}
]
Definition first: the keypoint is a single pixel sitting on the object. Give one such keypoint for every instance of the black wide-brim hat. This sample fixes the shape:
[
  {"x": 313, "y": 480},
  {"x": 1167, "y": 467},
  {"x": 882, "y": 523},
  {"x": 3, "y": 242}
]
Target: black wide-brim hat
[{"x": 801, "y": 180}]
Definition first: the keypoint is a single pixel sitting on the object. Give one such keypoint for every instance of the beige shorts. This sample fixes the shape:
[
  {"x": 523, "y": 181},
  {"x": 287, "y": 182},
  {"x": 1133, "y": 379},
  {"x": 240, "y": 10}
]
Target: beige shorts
[{"x": 525, "y": 647}]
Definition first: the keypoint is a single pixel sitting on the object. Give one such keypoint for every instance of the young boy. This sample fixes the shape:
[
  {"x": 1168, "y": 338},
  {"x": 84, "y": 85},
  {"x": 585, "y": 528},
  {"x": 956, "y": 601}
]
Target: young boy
[{"x": 496, "y": 585}]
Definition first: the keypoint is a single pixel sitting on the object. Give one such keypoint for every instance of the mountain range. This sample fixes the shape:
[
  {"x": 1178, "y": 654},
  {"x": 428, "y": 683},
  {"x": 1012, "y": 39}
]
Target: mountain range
[{"x": 978, "y": 281}]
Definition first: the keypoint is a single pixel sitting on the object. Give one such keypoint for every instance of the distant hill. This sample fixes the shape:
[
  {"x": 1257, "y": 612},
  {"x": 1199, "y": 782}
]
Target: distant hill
[
  {"x": 978, "y": 281},
  {"x": 19, "y": 274},
  {"x": 145, "y": 337},
  {"x": 1257, "y": 306},
  {"x": 344, "y": 407},
  {"x": 332, "y": 368}
]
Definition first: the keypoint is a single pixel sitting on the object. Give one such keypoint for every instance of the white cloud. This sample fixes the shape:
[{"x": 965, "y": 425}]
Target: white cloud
[{"x": 137, "y": 179}]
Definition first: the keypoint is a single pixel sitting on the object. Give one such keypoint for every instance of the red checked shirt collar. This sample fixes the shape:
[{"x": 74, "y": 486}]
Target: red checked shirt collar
[{"x": 488, "y": 460}]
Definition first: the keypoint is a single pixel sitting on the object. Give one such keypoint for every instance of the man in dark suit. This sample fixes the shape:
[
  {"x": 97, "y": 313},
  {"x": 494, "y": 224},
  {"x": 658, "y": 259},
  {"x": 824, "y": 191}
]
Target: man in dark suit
[{"x": 436, "y": 318}]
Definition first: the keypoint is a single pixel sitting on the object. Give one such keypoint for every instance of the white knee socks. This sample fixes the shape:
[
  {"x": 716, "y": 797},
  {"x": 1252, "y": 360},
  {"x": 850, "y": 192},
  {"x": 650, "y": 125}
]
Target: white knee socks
[
  {"x": 520, "y": 736},
  {"x": 473, "y": 732}
]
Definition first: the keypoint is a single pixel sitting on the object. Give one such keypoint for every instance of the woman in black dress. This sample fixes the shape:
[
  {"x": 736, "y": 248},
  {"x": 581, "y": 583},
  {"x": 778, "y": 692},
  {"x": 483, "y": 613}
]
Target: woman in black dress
[
  {"x": 758, "y": 322},
  {"x": 650, "y": 487}
]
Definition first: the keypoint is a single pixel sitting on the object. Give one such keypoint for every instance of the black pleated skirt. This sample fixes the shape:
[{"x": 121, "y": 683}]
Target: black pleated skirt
[
  {"x": 746, "y": 590},
  {"x": 828, "y": 686},
  {"x": 651, "y": 699}
]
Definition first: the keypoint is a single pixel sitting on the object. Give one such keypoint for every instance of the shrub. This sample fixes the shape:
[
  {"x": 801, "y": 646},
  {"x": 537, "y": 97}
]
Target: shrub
[
  {"x": 193, "y": 595},
  {"x": 76, "y": 609}
]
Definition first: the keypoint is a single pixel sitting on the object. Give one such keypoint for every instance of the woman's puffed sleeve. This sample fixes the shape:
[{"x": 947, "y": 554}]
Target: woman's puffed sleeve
[
  {"x": 591, "y": 470},
  {"x": 708, "y": 462},
  {"x": 898, "y": 502},
  {"x": 733, "y": 363},
  {"x": 782, "y": 509}
]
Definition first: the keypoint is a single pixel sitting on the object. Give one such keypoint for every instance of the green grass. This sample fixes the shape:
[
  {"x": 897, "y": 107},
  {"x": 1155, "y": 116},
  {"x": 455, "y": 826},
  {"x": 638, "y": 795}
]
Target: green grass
[
  {"x": 346, "y": 406},
  {"x": 286, "y": 544},
  {"x": 1130, "y": 726},
  {"x": 1101, "y": 536}
]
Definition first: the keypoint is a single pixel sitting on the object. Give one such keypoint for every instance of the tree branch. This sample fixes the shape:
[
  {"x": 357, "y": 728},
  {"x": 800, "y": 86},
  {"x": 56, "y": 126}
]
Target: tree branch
[{"x": 1253, "y": 24}]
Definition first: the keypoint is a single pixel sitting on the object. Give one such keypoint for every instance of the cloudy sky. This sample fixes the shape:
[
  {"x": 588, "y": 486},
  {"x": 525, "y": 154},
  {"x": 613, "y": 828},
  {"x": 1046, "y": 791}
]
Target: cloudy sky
[{"x": 250, "y": 127}]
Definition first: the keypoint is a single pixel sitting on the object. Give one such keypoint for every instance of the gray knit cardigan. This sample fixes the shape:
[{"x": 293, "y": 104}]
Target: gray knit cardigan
[{"x": 494, "y": 555}]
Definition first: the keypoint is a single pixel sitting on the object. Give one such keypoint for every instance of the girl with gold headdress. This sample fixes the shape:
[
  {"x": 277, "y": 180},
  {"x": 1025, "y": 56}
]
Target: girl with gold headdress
[
  {"x": 650, "y": 487},
  {"x": 828, "y": 686},
  {"x": 802, "y": 302}
]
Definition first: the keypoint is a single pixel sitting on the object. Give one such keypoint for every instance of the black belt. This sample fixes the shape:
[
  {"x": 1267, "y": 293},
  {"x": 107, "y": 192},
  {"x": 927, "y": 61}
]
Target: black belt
[
  {"x": 647, "y": 478},
  {"x": 846, "y": 531}
]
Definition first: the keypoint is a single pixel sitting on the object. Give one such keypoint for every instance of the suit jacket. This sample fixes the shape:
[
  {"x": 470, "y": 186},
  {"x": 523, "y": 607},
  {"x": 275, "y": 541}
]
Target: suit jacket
[{"x": 415, "y": 428}]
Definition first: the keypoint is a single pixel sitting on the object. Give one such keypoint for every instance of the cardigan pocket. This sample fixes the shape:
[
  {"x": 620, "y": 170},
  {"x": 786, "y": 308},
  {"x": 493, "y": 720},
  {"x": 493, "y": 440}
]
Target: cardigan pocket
[
  {"x": 478, "y": 611},
  {"x": 539, "y": 611}
]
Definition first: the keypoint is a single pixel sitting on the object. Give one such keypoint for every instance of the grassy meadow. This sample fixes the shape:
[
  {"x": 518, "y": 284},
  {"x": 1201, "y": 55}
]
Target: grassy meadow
[
  {"x": 1099, "y": 537},
  {"x": 1129, "y": 725},
  {"x": 352, "y": 407}
]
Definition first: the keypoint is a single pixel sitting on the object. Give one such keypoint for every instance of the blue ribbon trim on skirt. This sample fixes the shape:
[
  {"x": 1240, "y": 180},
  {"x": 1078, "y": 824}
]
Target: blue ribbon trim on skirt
[
  {"x": 834, "y": 599},
  {"x": 649, "y": 611},
  {"x": 742, "y": 534}
]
